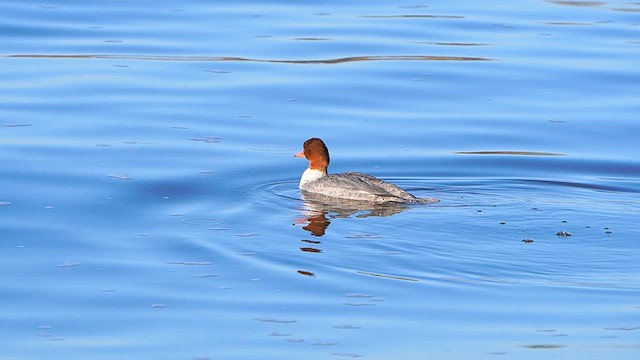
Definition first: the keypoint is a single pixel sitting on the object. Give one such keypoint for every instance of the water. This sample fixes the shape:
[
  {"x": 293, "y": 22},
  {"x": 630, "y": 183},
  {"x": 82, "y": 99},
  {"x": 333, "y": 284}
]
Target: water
[{"x": 148, "y": 194}]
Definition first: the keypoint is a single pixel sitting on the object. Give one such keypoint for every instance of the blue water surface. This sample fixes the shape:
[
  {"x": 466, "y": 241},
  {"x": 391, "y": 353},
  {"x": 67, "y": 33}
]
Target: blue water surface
[{"x": 148, "y": 194}]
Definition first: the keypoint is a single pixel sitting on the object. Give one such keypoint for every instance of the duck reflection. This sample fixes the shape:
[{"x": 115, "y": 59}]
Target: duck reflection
[{"x": 319, "y": 209}]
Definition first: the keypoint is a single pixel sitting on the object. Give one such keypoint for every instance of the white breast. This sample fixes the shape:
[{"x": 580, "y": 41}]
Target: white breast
[{"x": 309, "y": 176}]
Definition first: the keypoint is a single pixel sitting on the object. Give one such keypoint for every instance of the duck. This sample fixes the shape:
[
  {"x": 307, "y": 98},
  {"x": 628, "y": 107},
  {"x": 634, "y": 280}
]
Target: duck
[{"x": 349, "y": 185}]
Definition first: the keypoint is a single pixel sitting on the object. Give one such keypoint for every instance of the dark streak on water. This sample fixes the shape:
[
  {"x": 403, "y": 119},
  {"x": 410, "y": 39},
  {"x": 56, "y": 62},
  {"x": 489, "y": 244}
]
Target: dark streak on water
[{"x": 240, "y": 59}]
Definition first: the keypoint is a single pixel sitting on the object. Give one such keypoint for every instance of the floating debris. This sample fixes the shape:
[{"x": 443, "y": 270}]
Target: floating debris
[
  {"x": 364, "y": 236},
  {"x": 357, "y": 295},
  {"x": 208, "y": 139},
  {"x": 527, "y": 241},
  {"x": 311, "y": 39},
  {"x": 279, "y": 334},
  {"x": 623, "y": 328},
  {"x": 247, "y": 234},
  {"x": 455, "y": 43},
  {"x": 68, "y": 264},
  {"x": 347, "y": 327},
  {"x": 349, "y": 355},
  {"x": 189, "y": 263},
  {"x": 358, "y": 304},
  {"x": 206, "y": 276},
  {"x": 217, "y": 71},
  {"x": 296, "y": 340},
  {"x": 387, "y": 276},
  {"x": 274, "y": 320},
  {"x": 310, "y": 249},
  {"x": 17, "y": 125},
  {"x": 566, "y": 23},
  {"x": 199, "y": 221},
  {"x": 413, "y": 6},
  {"x": 563, "y": 233},
  {"x": 120, "y": 177},
  {"x": 542, "y": 346},
  {"x": 325, "y": 343},
  {"x": 393, "y": 253},
  {"x": 306, "y": 273}
]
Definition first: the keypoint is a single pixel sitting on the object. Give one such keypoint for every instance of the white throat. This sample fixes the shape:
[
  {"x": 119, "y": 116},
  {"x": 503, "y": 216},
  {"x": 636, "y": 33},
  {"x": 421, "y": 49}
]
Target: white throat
[{"x": 309, "y": 176}]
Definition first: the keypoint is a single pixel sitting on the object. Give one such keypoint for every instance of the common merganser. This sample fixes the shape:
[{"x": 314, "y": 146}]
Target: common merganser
[{"x": 349, "y": 185}]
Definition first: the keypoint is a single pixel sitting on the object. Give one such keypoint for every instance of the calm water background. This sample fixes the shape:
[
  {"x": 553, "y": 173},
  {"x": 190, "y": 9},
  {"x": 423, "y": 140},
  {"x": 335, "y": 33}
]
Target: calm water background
[{"x": 148, "y": 194}]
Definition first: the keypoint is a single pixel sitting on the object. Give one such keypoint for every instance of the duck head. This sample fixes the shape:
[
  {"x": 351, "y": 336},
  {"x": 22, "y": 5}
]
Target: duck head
[{"x": 316, "y": 152}]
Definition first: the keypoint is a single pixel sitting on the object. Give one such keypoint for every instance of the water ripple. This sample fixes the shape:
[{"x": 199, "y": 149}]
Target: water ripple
[
  {"x": 508, "y": 152},
  {"x": 413, "y": 16},
  {"x": 242, "y": 59}
]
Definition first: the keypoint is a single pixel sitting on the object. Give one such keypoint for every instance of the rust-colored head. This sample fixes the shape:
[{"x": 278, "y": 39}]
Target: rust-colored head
[{"x": 317, "y": 153}]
